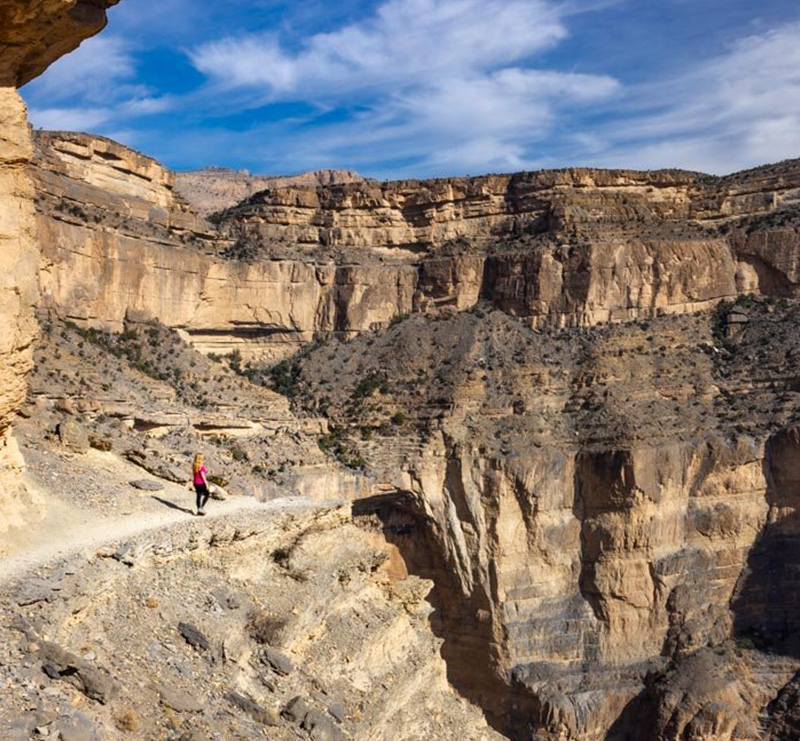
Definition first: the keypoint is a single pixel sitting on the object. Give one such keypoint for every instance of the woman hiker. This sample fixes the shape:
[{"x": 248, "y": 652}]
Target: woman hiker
[{"x": 200, "y": 483}]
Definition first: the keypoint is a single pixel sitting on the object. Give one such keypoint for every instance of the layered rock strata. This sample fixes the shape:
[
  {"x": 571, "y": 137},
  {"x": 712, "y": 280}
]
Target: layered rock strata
[
  {"x": 32, "y": 36},
  {"x": 290, "y": 265},
  {"x": 607, "y": 513},
  {"x": 118, "y": 243}
]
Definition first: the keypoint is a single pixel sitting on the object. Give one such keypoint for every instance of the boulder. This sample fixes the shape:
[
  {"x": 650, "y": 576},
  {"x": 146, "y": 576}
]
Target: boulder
[
  {"x": 178, "y": 700},
  {"x": 77, "y": 728},
  {"x": 320, "y": 727},
  {"x": 59, "y": 663},
  {"x": 316, "y": 723},
  {"x": 73, "y": 435},
  {"x": 194, "y": 637},
  {"x": 265, "y": 716},
  {"x": 100, "y": 443},
  {"x": 279, "y": 662},
  {"x": 32, "y": 591},
  {"x": 147, "y": 485},
  {"x": 217, "y": 492}
]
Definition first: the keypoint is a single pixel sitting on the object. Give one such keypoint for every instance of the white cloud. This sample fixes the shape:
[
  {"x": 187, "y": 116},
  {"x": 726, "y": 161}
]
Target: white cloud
[
  {"x": 445, "y": 83},
  {"x": 426, "y": 87},
  {"x": 95, "y": 71},
  {"x": 405, "y": 41},
  {"x": 735, "y": 111},
  {"x": 69, "y": 119},
  {"x": 91, "y": 87}
]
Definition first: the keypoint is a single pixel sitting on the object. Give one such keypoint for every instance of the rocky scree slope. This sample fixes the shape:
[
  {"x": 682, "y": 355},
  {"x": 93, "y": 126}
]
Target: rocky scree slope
[
  {"x": 147, "y": 396},
  {"x": 287, "y": 623}
]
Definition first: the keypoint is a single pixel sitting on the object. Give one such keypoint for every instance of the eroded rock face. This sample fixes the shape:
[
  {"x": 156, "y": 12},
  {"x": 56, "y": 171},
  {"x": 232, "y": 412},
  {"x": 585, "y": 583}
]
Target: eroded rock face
[
  {"x": 32, "y": 36},
  {"x": 292, "y": 264},
  {"x": 609, "y": 514},
  {"x": 18, "y": 294},
  {"x": 18, "y": 255},
  {"x": 118, "y": 243}
]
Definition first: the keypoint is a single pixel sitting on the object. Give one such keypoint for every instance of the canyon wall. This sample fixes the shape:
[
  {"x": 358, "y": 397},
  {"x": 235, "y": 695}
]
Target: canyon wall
[
  {"x": 607, "y": 513},
  {"x": 605, "y": 507},
  {"x": 18, "y": 294},
  {"x": 32, "y": 36},
  {"x": 294, "y": 264},
  {"x": 118, "y": 243}
]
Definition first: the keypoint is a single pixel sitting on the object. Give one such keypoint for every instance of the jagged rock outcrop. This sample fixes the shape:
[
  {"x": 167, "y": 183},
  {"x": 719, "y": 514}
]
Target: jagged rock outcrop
[
  {"x": 217, "y": 188},
  {"x": 32, "y": 36},
  {"x": 565, "y": 248}
]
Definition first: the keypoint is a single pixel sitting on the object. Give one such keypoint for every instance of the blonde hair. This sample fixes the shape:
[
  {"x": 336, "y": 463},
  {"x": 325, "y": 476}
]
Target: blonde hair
[{"x": 198, "y": 463}]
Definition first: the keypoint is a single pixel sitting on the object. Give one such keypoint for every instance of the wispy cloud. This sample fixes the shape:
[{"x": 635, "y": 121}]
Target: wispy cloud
[
  {"x": 434, "y": 81},
  {"x": 94, "y": 86},
  {"x": 405, "y": 42},
  {"x": 71, "y": 119},
  {"x": 437, "y": 87},
  {"x": 737, "y": 110}
]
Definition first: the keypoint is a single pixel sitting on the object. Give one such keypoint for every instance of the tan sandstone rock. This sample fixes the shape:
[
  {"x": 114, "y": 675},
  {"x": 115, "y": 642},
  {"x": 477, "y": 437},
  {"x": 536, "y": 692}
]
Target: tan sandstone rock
[
  {"x": 291, "y": 264},
  {"x": 32, "y": 36}
]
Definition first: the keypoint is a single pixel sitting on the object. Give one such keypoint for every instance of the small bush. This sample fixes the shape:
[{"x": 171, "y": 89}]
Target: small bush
[
  {"x": 371, "y": 383},
  {"x": 238, "y": 453},
  {"x": 127, "y": 721},
  {"x": 285, "y": 378},
  {"x": 266, "y": 627},
  {"x": 745, "y": 643},
  {"x": 398, "y": 319}
]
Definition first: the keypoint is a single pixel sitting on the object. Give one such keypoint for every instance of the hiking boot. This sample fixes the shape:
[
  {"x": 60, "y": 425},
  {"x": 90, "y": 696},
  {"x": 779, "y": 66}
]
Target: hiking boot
[{"x": 201, "y": 512}]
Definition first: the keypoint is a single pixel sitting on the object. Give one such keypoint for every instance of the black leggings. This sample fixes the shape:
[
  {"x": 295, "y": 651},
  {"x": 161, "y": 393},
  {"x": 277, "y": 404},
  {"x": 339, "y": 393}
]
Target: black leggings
[{"x": 201, "y": 490}]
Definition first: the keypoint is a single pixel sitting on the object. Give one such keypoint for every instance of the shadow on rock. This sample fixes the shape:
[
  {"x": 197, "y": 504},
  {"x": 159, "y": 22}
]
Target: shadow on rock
[{"x": 766, "y": 606}]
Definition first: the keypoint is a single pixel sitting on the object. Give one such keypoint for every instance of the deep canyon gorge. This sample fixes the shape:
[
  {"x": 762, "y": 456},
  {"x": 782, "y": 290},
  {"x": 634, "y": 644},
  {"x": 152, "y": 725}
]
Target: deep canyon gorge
[{"x": 509, "y": 456}]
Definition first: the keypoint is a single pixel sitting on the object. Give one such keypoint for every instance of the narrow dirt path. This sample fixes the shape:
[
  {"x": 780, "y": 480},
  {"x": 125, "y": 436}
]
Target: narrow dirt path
[{"x": 65, "y": 532}]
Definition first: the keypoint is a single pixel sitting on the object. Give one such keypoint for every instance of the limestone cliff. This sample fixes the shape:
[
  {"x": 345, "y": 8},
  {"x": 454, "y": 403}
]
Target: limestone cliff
[
  {"x": 117, "y": 242},
  {"x": 567, "y": 248},
  {"x": 608, "y": 514},
  {"x": 18, "y": 293},
  {"x": 32, "y": 36}
]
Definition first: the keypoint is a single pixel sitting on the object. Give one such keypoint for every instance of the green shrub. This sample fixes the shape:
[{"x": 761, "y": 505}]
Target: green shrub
[
  {"x": 238, "y": 453},
  {"x": 371, "y": 383},
  {"x": 285, "y": 378}
]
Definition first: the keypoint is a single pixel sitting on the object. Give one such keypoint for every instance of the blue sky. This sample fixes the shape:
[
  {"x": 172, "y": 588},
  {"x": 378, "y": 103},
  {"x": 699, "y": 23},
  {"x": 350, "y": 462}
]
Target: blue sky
[{"x": 417, "y": 88}]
